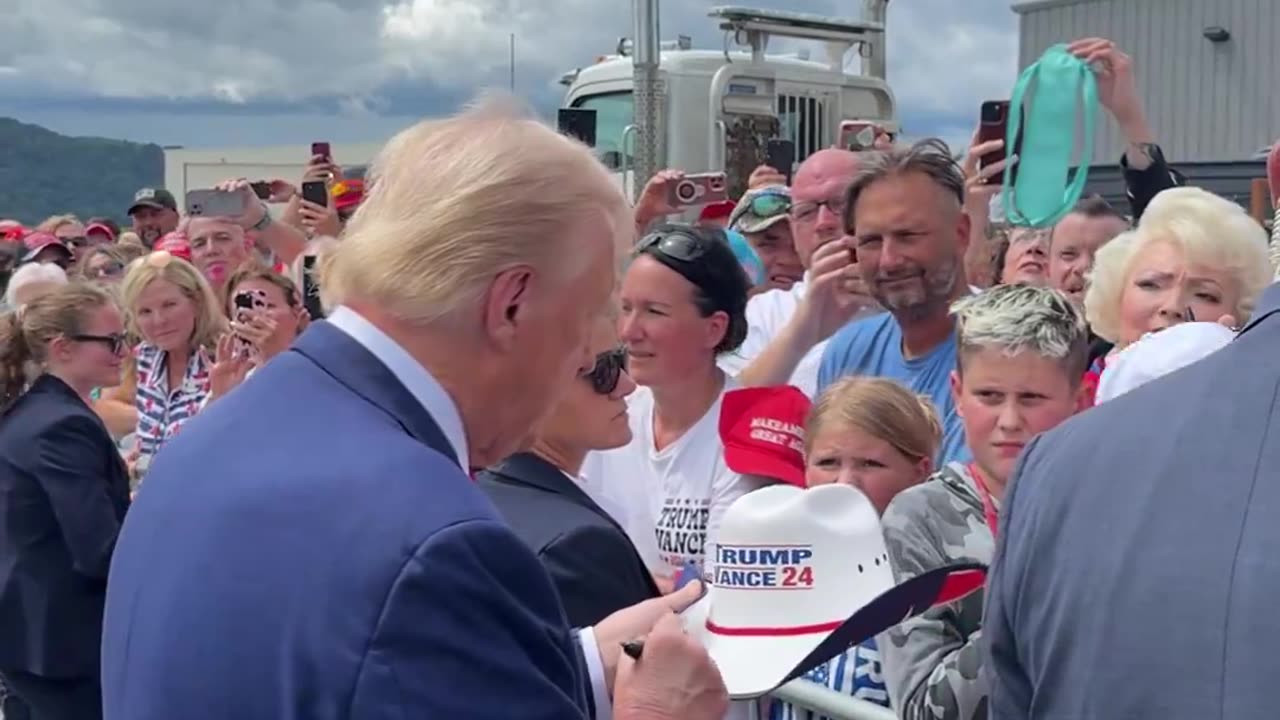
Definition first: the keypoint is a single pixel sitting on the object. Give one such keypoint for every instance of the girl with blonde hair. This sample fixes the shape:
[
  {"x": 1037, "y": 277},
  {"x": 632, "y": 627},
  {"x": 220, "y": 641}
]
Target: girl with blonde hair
[
  {"x": 875, "y": 435},
  {"x": 871, "y": 433}
]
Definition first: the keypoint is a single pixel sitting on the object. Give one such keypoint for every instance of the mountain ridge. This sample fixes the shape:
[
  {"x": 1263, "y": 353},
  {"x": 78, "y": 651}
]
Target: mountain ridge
[{"x": 45, "y": 173}]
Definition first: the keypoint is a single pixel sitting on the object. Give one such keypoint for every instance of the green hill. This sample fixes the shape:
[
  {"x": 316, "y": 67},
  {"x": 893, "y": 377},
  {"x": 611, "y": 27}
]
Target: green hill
[{"x": 43, "y": 173}]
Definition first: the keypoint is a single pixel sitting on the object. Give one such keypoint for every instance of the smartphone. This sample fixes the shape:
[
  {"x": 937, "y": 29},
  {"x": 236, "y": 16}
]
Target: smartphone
[
  {"x": 993, "y": 124},
  {"x": 859, "y": 135},
  {"x": 215, "y": 203},
  {"x": 262, "y": 189},
  {"x": 781, "y": 156},
  {"x": 314, "y": 191},
  {"x": 579, "y": 123},
  {"x": 310, "y": 290},
  {"x": 322, "y": 149},
  {"x": 699, "y": 189},
  {"x": 246, "y": 302}
]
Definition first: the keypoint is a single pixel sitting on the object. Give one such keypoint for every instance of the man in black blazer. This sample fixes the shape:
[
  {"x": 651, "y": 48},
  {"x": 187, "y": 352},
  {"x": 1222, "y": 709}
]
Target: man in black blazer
[
  {"x": 592, "y": 563},
  {"x": 64, "y": 491}
]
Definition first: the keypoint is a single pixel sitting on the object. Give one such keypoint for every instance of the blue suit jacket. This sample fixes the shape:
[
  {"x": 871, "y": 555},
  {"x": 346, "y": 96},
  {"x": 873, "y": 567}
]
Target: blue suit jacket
[
  {"x": 309, "y": 548},
  {"x": 1137, "y": 570}
]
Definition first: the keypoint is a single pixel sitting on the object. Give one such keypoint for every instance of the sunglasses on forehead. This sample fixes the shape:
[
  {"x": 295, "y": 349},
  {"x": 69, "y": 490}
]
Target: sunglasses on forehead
[
  {"x": 606, "y": 373},
  {"x": 767, "y": 205},
  {"x": 677, "y": 244}
]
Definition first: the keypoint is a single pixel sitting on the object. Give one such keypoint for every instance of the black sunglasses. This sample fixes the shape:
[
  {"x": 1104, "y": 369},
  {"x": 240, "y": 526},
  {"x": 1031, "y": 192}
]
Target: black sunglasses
[
  {"x": 678, "y": 244},
  {"x": 606, "y": 373},
  {"x": 115, "y": 342}
]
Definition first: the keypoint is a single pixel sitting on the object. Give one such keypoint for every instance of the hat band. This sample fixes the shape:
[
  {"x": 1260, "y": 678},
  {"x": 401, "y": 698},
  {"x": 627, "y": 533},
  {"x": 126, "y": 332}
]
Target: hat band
[{"x": 773, "y": 631}]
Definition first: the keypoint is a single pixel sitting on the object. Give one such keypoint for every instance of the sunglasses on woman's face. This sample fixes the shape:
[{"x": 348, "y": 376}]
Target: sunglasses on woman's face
[
  {"x": 607, "y": 372},
  {"x": 115, "y": 342},
  {"x": 108, "y": 270}
]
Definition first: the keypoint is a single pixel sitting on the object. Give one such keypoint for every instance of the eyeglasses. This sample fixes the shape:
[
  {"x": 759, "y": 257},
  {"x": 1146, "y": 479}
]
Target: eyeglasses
[
  {"x": 679, "y": 244},
  {"x": 767, "y": 205},
  {"x": 111, "y": 269},
  {"x": 809, "y": 210},
  {"x": 606, "y": 373},
  {"x": 114, "y": 342}
]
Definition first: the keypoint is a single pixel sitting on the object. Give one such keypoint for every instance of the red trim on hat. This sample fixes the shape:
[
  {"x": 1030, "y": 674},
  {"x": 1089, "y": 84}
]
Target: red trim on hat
[{"x": 790, "y": 631}]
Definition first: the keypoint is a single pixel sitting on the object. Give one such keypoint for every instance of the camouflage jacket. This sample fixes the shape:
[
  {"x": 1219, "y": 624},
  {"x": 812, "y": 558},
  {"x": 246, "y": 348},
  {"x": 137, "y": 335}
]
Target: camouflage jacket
[{"x": 932, "y": 662}]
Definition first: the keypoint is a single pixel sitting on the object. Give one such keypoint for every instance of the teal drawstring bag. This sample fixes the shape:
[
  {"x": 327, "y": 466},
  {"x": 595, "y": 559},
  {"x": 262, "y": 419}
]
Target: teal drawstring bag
[{"x": 1064, "y": 86}]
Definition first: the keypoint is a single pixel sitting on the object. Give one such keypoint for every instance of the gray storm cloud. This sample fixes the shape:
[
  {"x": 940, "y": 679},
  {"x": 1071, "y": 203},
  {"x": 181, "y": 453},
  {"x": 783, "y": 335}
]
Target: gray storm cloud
[{"x": 944, "y": 55}]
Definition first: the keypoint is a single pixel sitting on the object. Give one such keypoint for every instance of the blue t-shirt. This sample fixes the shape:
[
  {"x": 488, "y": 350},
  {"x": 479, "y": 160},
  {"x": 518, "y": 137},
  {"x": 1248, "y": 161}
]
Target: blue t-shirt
[
  {"x": 854, "y": 672},
  {"x": 873, "y": 347}
]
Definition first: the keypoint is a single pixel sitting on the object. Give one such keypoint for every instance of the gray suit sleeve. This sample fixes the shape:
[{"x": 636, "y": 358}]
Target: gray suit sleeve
[{"x": 1010, "y": 687}]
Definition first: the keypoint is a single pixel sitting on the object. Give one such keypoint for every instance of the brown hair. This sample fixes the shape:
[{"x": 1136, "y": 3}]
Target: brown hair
[
  {"x": 111, "y": 251},
  {"x": 257, "y": 271},
  {"x": 881, "y": 408},
  {"x": 930, "y": 156},
  {"x": 25, "y": 335}
]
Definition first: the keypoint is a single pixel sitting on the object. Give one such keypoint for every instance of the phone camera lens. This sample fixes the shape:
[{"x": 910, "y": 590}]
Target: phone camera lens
[{"x": 686, "y": 190}]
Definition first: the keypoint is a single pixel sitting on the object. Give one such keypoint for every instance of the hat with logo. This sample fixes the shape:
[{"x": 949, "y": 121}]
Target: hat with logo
[
  {"x": 35, "y": 242},
  {"x": 762, "y": 430},
  {"x": 799, "y": 576},
  {"x": 761, "y": 209},
  {"x": 157, "y": 198},
  {"x": 1160, "y": 353}
]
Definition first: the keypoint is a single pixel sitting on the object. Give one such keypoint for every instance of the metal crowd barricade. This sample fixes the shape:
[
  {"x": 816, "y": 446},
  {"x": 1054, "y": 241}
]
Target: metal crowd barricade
[{"x": 826, "y": 702}]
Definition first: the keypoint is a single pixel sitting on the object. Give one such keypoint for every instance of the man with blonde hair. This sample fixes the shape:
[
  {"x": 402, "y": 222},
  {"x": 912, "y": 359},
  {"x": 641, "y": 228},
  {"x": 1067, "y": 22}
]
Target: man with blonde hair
[{"x": 349, "y": 568}]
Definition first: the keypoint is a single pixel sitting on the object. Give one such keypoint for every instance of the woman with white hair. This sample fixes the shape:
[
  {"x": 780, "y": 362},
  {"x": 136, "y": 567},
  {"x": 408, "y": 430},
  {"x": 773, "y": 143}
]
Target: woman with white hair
[
  {"x": 1193, "y": 256},
  {"x": 32, "y": 280}
]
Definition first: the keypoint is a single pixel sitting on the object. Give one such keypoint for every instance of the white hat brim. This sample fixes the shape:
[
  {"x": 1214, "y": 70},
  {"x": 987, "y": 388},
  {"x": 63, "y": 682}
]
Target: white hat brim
[{"x": 753, "y": 666}]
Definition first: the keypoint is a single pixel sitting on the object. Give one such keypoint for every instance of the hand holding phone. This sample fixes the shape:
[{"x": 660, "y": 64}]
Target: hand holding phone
[
  {"x": 699, "y": 189},
  {"x": 215, "y": 203},
  {"x": 321, "y": 149},
  {"x": 993, "y": 124},
  {"x": 860, "y": 135},
  {"x": 316, "y": 191}
]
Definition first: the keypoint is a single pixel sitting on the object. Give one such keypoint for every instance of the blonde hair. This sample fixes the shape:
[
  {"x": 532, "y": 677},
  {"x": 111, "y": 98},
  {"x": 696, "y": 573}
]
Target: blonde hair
[
  {"x": 1013, "y": 319},
  {"x": 160, "y": 265},
  {"x": 53, "y": 222},
  {"x": 452, "y": 202},
  {"x": 130, "y": 238},
  {"x": 881, "y": 408},
  {"x": 32, "y": 274},
  {"x": 1209, "y": 229},
  {"x": 25, "y": 336}
]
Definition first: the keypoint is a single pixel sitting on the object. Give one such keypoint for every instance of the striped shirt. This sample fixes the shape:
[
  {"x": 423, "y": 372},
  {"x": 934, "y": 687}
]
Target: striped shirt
[{"x": 161, "y": 413}]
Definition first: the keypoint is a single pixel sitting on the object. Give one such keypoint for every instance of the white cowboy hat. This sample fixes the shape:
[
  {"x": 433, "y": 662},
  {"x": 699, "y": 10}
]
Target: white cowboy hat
[{"x": 798, "y": 576}]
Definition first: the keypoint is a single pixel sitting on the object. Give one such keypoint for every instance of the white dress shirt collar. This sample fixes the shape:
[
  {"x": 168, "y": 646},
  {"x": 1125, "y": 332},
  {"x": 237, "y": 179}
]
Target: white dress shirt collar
[{"x": 416, "y": 378}]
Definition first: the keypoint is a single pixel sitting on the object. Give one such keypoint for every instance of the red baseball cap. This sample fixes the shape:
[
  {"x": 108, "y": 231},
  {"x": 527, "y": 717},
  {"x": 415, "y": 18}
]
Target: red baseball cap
[
  {"x": 762, "y": 430},
  {"x": 37, "y": 241},
  {"x": 717, "y": 211},
  {"x": 176, "y": 244},
  {"x": 101, "y": 229}
]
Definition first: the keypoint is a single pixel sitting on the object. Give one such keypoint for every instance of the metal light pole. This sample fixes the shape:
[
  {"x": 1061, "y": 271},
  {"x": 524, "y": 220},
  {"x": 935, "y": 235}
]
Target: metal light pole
[{"x": 647, "y": 92}]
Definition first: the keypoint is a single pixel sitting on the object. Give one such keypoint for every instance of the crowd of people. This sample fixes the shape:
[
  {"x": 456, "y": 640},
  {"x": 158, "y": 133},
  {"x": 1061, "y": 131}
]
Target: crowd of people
[{"x": 441, "y": 446}]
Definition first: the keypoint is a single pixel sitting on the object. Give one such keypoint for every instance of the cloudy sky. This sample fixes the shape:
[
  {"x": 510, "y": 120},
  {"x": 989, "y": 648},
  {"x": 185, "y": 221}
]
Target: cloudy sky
[{"x": 266, "y": 72}]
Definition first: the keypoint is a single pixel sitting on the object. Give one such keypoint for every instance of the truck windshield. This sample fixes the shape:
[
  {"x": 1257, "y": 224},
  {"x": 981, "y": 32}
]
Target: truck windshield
[{"x": 613, "y": 115}]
